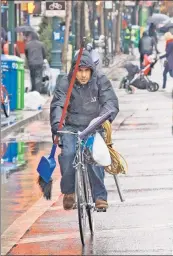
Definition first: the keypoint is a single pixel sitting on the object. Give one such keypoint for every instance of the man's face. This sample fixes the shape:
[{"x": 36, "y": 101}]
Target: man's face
[{"x": 83, "y": 75}]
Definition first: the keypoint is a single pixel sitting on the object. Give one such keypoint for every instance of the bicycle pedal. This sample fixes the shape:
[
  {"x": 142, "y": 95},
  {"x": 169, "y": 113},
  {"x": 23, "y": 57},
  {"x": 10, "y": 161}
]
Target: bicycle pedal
[{"x": 101, "y": 209}]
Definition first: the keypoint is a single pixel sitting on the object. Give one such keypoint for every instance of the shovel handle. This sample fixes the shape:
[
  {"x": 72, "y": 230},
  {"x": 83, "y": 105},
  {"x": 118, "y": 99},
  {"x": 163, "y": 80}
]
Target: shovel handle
[{"x": 70, "y": 91}]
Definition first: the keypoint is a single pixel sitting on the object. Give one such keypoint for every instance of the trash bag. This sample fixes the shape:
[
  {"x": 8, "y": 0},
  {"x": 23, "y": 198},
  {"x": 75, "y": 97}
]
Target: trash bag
[
  {"x": 46, "y": 78},
  {"x": 33, "y": 100}
]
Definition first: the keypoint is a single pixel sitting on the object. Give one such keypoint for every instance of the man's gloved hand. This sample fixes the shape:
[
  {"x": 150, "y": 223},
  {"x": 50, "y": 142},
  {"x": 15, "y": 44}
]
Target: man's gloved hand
[
  {"x": 55, "y": 133},
  {"x": 54, "y": 129}
]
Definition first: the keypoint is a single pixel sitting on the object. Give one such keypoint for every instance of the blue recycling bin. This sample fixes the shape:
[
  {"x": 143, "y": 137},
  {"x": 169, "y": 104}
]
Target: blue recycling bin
[
  {"x": 9, "y": 68},
  {"x": 10, "y": 155}
]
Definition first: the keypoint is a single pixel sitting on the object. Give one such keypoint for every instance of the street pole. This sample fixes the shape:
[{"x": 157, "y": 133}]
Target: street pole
[
  {"x": 102, "y": 17},
  {"x": 11, "y": 26},
  {"x": 56, "y": 52}
]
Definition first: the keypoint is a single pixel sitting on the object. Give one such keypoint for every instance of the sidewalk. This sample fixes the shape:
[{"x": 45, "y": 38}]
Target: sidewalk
[{"x": 20, "y": 118}]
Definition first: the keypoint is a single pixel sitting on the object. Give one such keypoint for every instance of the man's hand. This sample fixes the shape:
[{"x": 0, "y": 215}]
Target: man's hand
[{"x": 55, "y": 129}]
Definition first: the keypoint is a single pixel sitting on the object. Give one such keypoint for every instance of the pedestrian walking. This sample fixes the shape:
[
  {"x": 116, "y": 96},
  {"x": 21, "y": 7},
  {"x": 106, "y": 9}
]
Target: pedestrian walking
[
  {"x": 35, "y": 55},
  {"x": 92, "y": 96},
  {"x": 152, "y": 32},
  {"x": 168, "y": 63},
  {"x": 146, "y": 46},
  {"x": 129, "y": 39}
]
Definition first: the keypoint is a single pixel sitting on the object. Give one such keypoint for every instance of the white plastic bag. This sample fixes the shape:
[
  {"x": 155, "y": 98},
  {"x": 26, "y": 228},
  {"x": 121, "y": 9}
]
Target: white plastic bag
[
  {"x": 100, "y": 151},
  {"x": 33, "y": 100}
]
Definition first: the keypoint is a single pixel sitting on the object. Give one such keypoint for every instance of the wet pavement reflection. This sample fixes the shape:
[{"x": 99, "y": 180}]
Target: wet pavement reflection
[{"x": 19, "y": 189}]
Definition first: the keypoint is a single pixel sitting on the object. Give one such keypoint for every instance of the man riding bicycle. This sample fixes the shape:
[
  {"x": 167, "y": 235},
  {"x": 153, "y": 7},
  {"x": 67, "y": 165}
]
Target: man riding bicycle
[{"x": 91, "y": 97}]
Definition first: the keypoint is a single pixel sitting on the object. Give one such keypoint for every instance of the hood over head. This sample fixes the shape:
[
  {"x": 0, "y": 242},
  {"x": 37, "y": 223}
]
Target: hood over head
[
  {"x": 85, "y": 61},
  {"x": 145, "y": 33}
]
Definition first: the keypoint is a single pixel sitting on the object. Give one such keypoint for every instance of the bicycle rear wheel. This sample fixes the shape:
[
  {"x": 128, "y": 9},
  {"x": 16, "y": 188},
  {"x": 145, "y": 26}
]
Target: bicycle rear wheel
[
  {"x": 89, "y": 200},
  {"x": 5, "y": 102},
  {"x": 81, "y": 204}
]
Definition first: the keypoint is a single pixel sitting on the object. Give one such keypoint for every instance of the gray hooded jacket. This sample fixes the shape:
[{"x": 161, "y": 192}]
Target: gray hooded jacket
[{"x": 87, "y": 101}]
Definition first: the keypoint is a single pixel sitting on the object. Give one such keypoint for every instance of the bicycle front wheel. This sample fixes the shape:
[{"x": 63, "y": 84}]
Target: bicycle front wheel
[
  {"x": 89, "y": 200},
  {"x": 81, "y": 204}
]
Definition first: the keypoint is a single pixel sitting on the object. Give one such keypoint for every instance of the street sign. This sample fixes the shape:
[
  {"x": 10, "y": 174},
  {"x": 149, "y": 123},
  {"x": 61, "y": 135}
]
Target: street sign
[
  {"x": 129, "y": 3},
  {"x": 55, "y": 8},
  {"x": 23, "y": 2},
  {"x": 108, "y": 5},
  {"x": 58, "y": 37}
]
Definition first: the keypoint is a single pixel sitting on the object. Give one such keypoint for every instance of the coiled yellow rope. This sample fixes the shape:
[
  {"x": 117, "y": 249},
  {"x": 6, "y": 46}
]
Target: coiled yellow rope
[{"x": 119, "y": 164}]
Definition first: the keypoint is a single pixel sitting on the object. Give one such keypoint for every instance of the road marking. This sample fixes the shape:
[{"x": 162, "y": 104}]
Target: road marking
[
  {"x": 18, "y": 228},
  {"x": 108, "y": 233}
]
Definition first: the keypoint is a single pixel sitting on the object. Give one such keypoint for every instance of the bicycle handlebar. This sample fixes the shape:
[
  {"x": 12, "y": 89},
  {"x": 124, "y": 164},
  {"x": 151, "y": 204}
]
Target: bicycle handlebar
[{"x": 92, "y": 127}]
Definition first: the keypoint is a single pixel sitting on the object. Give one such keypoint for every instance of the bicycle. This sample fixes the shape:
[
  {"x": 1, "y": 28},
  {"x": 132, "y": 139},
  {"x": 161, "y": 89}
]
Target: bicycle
[
  {"x": 5, "y": 100},
  {"x": 83, "y": 193}
]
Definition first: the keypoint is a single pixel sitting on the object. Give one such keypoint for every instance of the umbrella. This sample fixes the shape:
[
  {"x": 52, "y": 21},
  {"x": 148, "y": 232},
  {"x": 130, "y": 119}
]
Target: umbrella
[
  {"x": 24, "y": 28},
  {"x": 167, "y": 27},
  {"x": 158, "y": 18},
  {"x": 3, "y": 34}
]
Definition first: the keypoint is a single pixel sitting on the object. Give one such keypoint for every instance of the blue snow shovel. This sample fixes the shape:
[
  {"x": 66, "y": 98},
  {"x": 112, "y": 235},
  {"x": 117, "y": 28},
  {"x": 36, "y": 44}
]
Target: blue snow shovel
[{"x": 47, "y": 164}]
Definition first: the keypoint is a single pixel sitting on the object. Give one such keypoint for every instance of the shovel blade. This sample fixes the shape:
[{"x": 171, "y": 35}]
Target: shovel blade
[{"x": 46, "y": 167}]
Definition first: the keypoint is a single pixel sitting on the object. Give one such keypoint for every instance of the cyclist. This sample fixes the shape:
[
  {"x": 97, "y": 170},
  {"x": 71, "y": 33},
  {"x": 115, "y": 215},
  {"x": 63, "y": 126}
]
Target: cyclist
[{"x": 92, "y": 96}]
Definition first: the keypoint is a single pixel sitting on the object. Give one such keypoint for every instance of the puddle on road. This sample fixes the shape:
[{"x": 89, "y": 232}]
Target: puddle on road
[{"x": 19, "y": 188}]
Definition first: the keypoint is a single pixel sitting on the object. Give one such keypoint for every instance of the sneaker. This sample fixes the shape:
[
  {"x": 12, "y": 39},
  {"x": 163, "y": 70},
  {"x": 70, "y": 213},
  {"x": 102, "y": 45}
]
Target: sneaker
[
  {"x": 162, "y": 89},
  {"x": 101, "y": 204},
  {"x": 68, "y": 201}
]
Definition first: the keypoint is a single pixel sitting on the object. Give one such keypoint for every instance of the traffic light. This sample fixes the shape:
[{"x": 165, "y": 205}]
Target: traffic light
[
  {"x": 37, "y": 10},
  {"x": 31, "y": 7}
]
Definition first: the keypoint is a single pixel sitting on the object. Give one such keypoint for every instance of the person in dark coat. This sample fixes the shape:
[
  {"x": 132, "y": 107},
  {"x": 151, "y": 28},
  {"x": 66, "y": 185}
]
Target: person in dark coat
[
  {"x": 168, "y": 64},
  {"x": 146, "y": 46},
  {"x": 152, "y": 32},
  {"x": 35, "y": 55},
  {"x": 92, "y": 96}
]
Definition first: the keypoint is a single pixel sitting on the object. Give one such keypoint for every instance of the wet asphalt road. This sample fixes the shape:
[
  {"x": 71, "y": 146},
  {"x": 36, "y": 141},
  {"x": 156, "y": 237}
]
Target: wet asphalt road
[{"x": 143, "y": 224}]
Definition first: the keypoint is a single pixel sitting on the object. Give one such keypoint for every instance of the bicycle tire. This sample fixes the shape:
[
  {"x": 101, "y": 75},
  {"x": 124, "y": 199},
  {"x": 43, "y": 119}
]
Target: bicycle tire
[
  {"x": 89, "y": 200},
  {"x": 80, "y": 204}
]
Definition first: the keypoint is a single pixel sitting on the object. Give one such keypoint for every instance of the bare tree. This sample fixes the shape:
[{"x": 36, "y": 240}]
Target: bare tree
[
  {"x": 102, "y": 17},
  {"x": 78, "y": 22},
  {"x": 66, "y": 35},
  {"x": 118, "y": 27}
]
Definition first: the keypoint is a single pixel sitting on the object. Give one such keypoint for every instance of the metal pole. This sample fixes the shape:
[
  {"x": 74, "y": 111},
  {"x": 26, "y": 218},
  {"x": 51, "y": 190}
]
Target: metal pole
[
  {"x": 11, "y": 24},
  {"x": 118, "y": 188}
]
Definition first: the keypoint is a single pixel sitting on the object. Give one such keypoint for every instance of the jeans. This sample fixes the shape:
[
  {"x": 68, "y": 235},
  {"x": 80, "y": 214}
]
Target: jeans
[
  {"x": 36, "y": 77},
  {"x": 165, "y": 72},
  {"x": 96, "y": 173}
]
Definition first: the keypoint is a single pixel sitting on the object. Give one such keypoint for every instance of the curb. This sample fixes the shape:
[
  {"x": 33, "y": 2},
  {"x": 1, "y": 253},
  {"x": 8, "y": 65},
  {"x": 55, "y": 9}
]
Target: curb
[
  {"x": 19, "y": 124},
  {"x": 34, "y": 116}
]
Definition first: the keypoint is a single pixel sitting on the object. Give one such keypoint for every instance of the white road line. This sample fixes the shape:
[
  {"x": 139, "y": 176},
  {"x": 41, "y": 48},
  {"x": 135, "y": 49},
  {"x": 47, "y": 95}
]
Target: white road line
[
  {"x": 108, "y": 233},
  {"x": 17, "y": 229}
]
